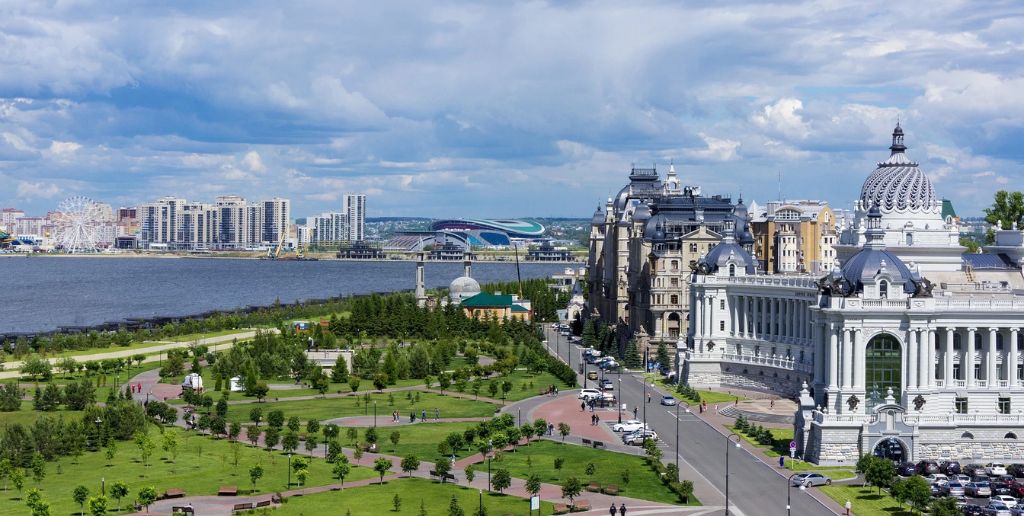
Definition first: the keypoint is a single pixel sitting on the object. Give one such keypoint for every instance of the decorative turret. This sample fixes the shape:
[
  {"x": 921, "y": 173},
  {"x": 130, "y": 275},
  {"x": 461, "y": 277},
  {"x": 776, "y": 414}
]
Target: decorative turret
[{"x": 421, "y": 287}]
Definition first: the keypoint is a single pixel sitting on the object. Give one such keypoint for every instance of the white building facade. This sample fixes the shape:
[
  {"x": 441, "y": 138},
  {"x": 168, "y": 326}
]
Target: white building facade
[
  {"x": 909, "y": 357},
  {"x": 229, "y": 223},
  {"x": 355, "y": 217}
]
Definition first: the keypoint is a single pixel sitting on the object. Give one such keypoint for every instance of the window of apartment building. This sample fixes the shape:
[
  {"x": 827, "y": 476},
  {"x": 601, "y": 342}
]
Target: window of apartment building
[
  {"x": 721, "y": 325},
  {"x": 675, "y": 265},
  {"x": 960, "y": 405},
  {"x": 675, "y": 282},
  {"x": 1004, "y": 405},
  {"x": 674, "y": 299}
]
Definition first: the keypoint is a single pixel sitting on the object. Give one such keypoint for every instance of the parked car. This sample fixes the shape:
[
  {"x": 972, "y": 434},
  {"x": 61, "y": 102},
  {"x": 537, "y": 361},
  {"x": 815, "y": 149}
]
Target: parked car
[
  {"x": 954, "y": 488},
  {"x": 973, "y": 510},
  {"x": 938, "y": 490},
  {"x": 811, "y": 479},
  {"x": 1017, "y": 470},
  {"x": 631, "y": 425},
  {"x": 927, "y": 467},
  {"x": 963, "y": 479},
  {"x": 1000, "y": 487},
  {"x": 668, "y": 401},
  {"x": 998, "y": 509},
  {"x": 950, "y": 467},
  {"x": 586, "y": 394},
  {"x": 995, "y": 469},
  {"x": 906, "y": 469},
  {"x": 637, "y": 438},
  {"x": 591, "y": 375},
  {"x": 607, "y": 384},
  {"x": 1010, "y": 501},
  {"x": 978, "y": 489},
  {"x": 609, "y": 364},
  {"x": 1016, "y": 489},
  {"x": 937, "y": 478},
  {"x": 972, "y": 470}
]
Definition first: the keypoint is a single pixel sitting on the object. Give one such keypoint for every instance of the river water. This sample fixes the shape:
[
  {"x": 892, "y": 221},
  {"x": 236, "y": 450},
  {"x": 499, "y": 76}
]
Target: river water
[{"x": 45, "y": 293}]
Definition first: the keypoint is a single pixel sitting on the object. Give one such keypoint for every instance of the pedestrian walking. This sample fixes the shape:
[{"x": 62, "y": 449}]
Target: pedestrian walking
[
  {"x": 612, "y": 510},
  {"x": 716, "y": 407},
  {"x": 583, "y": 406},
  {"x": 423, "y": 416},
  {"x": 622, "y": 510},
  {"x": 771, "y": 404},
  {"x": 648, "y": 397},
  {"x": 635, "y": 412},
  {"x": 551, "y": 428},
  {"x": 412, "y": 417},
  {"x": 437, "y": 414}
]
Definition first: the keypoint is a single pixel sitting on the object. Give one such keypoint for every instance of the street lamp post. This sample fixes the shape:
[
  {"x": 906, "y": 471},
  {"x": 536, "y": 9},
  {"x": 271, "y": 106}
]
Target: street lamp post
[
  {"x": 644, "y": 403},
  {"x": 727, "y": 446},
  {"x": 619, "y": 401},
  {"x": 789, "y": 492},
  {"x": 490, "y": 446},
  {"x": 375, "y": 413},
  {"x": 289, "y": 470},
  {"x": 481, "y": 511}
]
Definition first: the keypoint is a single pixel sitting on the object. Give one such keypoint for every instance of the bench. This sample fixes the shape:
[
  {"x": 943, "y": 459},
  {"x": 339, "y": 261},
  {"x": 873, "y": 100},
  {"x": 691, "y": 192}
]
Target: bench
[
  {"x": 587, "y": 442},
  {"x": 174, "y": 492},
  {"x": 561, "y": 508},
  {"x": 184, "y": 509},
  {"x": 598, "y": 444},
  {"x": 227, "y": 491},
  {"x": 581, "y": 506},
  {"x": 447, "y": 476},
  {"x": 594, "y": 487},
  {"x": 263, "y": 503},
  {"x": 611, "y": 489},
  {"x": 241, "y": 507}
]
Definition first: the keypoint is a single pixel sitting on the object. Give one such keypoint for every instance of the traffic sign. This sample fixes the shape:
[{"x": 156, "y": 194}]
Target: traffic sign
[{"x": 792, "y": 445}]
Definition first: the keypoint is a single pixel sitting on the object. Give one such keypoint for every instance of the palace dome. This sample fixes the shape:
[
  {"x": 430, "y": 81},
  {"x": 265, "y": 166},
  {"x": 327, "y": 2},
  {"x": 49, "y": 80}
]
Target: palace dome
[
  {"x": 462, "y": 288},
  {"x": 898, "y": 185}
]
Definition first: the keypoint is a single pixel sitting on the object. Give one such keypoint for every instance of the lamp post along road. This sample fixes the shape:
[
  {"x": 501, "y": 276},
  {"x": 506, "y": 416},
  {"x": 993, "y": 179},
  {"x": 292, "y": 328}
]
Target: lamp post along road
[
  {"x": 728, "y": 445},
  {"x": 789, "y": 493},
  {"x": 375, "y": 413},
  {"x": 619, "y": 399}
]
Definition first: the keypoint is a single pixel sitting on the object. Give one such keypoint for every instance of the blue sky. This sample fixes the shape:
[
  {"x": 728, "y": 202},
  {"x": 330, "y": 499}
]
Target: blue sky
[{"x": 494, "y": 109}]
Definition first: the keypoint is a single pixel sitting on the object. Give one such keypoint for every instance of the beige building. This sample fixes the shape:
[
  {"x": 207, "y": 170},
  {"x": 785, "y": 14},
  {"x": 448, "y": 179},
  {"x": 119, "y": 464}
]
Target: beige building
[{"x": 794, "y": 236}]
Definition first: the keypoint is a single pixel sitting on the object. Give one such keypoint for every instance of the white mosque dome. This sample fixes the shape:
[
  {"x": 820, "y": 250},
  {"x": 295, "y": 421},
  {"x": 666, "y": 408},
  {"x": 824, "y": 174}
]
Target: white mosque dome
[
  {"x": 898, "y": 185},
  {"x": 463, "y": 287}
]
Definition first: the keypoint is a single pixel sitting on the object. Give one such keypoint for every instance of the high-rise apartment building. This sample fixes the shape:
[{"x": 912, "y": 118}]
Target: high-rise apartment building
[
  {"x": 355, "y": 216},
  {"x": 328, "y": 227},
  {"x": 229, "y": 223},
  {"x": 277, "y": 214}
]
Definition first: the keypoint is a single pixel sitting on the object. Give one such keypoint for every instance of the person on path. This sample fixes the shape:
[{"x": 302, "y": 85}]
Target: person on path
[
  {"x": 423, "y": 416},
  {"x": 622, "y": 510},
  {"x": 551, "y": 428},
  {"x": 612, "y": 509},
  {"x": 716, "y": 407},
  {"x": 437, "y": 414},
  {"x": 583, "y": 406},
  {"x": 648, "y": 397},
  {"x": 771, "y": 404},
  {"x": 635, "y": 409},
  {"x": 412, "y": 417}
]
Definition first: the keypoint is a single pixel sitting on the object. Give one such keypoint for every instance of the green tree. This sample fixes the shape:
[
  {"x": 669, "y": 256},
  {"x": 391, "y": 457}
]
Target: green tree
[
  {"x": 396, "y": 502},
  {"x": 111, "y": 451},
  {"x": 275, "y": 418},
  {"x": 255, "y": 473},
  {"x": 294, "y": 423},
  {"x": 563, "y": 430},
  {"x": 5, "y": 470},
  {"x": 260, "y": 391},
  {"x": 410, "y": 463},
  {"x": 501, "y": 479},
  {"x": 443, "y": 466},
  {"x": 146, "y": 497},
  {"x": 571, "y": 488},
  {"x": 945, "y": 506},
  {"x": 18, "y": 479},
  {"x": 271, "y": 436},
  {"x": 632, "y": 359},
  {"x": 10, "y": 397},
  {"x": 898, "y": 491},
  {"x": 1007, "y": 210},
  {"x": 98, "y": 506},
  {"x": 38, "y": 466},
  {"x": 382, "y": 466},
  {"x": 80, "y": 495},
  {"x": 170, "y": 445},
  {"x": 533, "y": 484},
  {"x": 339, "y": 374},
  {"x": 341, "y": 469},
  {"x": 454, "y": 509},
  {"x": 353, "y": 383},
  {"x": 145, "y": 445},
  {"x": 918, "y": 492},
  {"x": 662, "y": 356},
  {"x": 37, "y": 367},
  {"x": 256, "y": 415},
  {"x": 589, "y": 335},
  {"x": 119, "y": 490},
  {"x": 395, "y": 437},
  {"x": 591, "y": 468},
  {"x": 879, "y": 472},
  {"x": 290, "y": 441}
]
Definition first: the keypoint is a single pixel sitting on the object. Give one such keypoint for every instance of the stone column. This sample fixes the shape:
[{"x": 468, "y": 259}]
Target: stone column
[
  {"x": 770, "y": 320},
  {"x": 912, "y": 365},
  {"x": 968, "y": 362},
  {"x": 860, "y": 352},
  {"x": 990, "y": 360},
  {"x": 818, "y": 359},
  {"x": 847, "y": 359},
  {"x": 1012, "y": 357},
  {"x": 947, "y": 357},
  {"x": 833, "y": 356}
]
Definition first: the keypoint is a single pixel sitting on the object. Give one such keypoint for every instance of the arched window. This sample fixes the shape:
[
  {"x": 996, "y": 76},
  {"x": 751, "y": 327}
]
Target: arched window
[
  {"x": 999, "y": 341},
  {"x": 967, "y": 435},
  {"x": 1010, "y": 435},
  {"x": 910, "y": 239},
  {"x": 732, "y": 269},
  {"x": 883, "y": 368},
  {"x": 883, "y": 288},
  {"x": 675, "y": 265}
]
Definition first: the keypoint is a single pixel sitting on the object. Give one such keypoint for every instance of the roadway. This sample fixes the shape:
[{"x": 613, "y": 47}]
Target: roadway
[{"x": 754, "y": 488}]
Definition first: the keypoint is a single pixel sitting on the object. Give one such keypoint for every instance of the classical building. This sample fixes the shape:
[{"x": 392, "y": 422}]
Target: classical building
[
  {"x": 642, "y": 246},
  {"x": 794, "y": 236},
  {"x": 901, "y": 351}
]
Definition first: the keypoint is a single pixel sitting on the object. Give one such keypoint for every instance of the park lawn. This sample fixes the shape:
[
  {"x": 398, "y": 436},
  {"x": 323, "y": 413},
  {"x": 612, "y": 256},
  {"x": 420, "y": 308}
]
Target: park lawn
[
  {"x": 713, "y": 397},
  {"x": 330, "y": 408},
  {"x": 865, "y": 500},
  {"x": 373, "y": 500},
  {"x": 139, "y": 346},
  {"x": 203, "y": 465},
  {"x": 26, "y": 416},
  {"x": 521, "y": 381},
  {"x": 781, "y": 436},
  {"x": 418, "y": 439},
  {"x": 643, "y": 481},
  {"x": 209, "y": 334},
  {"x": 336, "y": 388},
  {"x": 833, "y": 472}
]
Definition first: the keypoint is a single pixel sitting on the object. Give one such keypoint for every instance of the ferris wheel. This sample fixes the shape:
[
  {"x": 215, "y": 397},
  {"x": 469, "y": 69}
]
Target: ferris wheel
[{"x": 78, "y": 221}]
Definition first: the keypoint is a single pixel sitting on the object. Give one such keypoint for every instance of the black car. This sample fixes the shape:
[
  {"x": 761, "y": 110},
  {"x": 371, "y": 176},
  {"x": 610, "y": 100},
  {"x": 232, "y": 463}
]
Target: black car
[
  {"x": 1000, "y": 487},
  {"x": 927, "y": 467},
  {"x": 906, "y": 469},
  {"x": 950, "y": 467},
  {"x": 974, "y": 510},
  {"x": 1017, "y": 470}
]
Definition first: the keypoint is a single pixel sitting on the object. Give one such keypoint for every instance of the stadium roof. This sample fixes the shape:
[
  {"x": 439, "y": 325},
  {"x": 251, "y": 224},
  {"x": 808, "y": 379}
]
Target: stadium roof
[{"x": 514, "y": 227}]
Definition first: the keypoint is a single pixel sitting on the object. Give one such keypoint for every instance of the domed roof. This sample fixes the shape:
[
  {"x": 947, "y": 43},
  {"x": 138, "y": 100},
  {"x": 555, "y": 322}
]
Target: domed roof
[
  {"x": 463, "y": 287},
  {"x": 642, "y": 213},
  {"x": 867, "y": 263},
  {"x": 898, "y": 184},
  {"x": 725, "y": 252},
  {"x": 598, "y": 218},
  {"x": 654, "y": 231}
]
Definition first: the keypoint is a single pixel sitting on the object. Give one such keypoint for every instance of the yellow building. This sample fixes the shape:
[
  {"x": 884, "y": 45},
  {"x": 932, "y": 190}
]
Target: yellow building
[{"x": 794, "y": 236}]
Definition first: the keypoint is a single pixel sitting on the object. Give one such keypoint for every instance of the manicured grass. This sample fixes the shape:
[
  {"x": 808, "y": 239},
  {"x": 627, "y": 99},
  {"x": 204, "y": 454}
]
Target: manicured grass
[
  {"x": 26, "y": 416},
  {"x": 202, "y": 466},
  {"x": 713, "y": 397},
  {"x": 833, "y": 472},
  {"x": 374, "y": 500},
  {"x": 643, "y": 481},
  {"x": 331, "y": 408},
  {"x": 519, "y": 379},
  {"x": 781, "y": 437},
  {"x": 135, "y": 346},
  {"x": 420, "y": 439},
  {"x": 866, "y": 500}
]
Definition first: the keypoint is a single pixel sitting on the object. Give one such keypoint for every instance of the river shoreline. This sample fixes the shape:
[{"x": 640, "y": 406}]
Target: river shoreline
[{"x": 165, "y": 256}]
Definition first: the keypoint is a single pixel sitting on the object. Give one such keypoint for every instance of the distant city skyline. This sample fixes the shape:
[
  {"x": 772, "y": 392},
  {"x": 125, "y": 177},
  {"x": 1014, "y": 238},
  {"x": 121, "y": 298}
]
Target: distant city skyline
[{"x": 502, "y": 110}]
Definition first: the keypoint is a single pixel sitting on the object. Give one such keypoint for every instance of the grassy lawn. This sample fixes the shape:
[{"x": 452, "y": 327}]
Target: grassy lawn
[
  {"x": 713, "y": 397},
  {"x": 331, "y": 408},
  {"x": 202, "y": 466},
  {"x": 420, "y": 439},
  {"x": 643, "y": 482},
  {"x": 206, "y": 335},
  {"x": 782, "y": 437},
  {"x": 374, "y": 500},
  {"x": 521, "y": 385},
  {"x": 866, "y": 500},
  {"x": 26, "y": 416},
  {"x": 134, "y": 346}
]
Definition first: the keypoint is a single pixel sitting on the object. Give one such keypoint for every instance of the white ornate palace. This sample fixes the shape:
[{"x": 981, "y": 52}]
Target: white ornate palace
[{"x": 884, "y": 355}]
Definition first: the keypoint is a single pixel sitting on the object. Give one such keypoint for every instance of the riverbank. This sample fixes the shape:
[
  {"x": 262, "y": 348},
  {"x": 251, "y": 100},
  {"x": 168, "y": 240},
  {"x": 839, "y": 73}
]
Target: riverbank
[{"x": 323, "y": 257}]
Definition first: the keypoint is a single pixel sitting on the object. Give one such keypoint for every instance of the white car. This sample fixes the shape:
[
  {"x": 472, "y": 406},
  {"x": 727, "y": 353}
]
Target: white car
[
  {"x": 637, "y": 438},
  {"x": 586, "y": 394},
  {"x": 628, "y": 426},
  {"x": 937, "y": 478},
  {"x": 1010, "y": 501},
  {"x": 995, "y": 469}
]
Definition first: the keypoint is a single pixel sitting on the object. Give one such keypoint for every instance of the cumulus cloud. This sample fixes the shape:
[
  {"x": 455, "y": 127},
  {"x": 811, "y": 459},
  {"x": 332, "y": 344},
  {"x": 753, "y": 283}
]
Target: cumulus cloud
[
  {"x": 253, "y": 162},
  {"x": 717, "y": 149},
  {"x": 59, "y": 148},
  {"x": 28, "y": 190}
]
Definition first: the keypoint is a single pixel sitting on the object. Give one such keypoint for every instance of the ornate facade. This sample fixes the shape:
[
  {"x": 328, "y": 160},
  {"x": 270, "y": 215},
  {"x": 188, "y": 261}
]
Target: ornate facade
[
  {"x": 642, "y": 245},
  {"x": 901, "y": 351}
]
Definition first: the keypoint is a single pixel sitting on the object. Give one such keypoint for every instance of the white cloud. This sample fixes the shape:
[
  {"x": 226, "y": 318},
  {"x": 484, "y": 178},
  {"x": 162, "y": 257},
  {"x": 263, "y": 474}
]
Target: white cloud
[
  {"x": 783, "y": 117},
  {"x": 717, "y": 149},
  {"x": 253, "y": 162},
  {"x": 59, "y": 148},
  {"x": 40, "y": 190}
]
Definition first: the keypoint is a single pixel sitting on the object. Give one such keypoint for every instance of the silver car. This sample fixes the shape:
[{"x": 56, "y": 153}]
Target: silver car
[
  {"x": 978, "y": 489},
  {"x": 955, "y": 488},
  {"x": 811, "y": 479}
]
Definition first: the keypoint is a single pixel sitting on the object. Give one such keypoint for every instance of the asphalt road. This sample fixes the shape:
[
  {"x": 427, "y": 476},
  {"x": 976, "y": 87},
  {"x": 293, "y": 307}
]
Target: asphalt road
[{"x": 755, "y": 488}]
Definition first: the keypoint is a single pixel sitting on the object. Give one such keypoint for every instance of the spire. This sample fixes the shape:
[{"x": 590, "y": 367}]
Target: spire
[{"x": 897, "y": 146}]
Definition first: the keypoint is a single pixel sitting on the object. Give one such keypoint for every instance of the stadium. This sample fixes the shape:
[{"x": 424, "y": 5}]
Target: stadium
[{"x": 490, "y": 233}]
